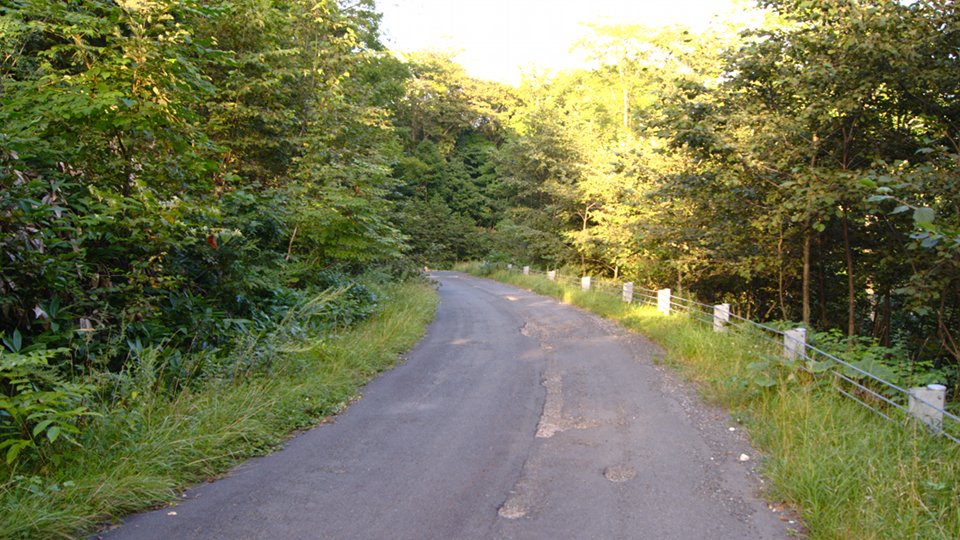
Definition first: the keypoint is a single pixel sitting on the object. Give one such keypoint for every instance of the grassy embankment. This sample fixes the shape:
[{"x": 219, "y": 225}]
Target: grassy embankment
[
  {"x": 849, "y": 473},
  {"x": 141, "y": 451}
]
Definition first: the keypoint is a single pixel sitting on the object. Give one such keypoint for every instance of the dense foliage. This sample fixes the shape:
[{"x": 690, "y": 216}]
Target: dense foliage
[{"x": 182, "y": 177}]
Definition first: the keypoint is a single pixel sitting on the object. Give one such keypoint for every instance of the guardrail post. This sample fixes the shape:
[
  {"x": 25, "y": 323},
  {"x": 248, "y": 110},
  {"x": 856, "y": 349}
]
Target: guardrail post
[
  {"x": 794, "y": 343},
  {"x": 552, "y": 275},
  {"x": 663, "y": 301},
  {"x": 585, "y": 283},
  {"x": 628, "y": 292},
  {"x": 509, "y": 267},
  {"x": 721, "y": 316},
  {"x": 526, "y": 270},
  {"x": 930, "y": 410}
]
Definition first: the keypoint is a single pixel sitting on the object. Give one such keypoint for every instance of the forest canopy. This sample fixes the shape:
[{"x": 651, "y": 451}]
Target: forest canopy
[{"x": 804, "y": 169}]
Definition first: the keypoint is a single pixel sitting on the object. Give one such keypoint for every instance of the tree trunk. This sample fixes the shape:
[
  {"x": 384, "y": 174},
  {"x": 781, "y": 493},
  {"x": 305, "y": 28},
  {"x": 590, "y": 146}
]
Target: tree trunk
[
  {"x": 780, "y": 291},
  {"x": 583, "y": 229},
  {"x": 886, "y": 313},
  {"x": 127, "y": 186},
  {"x": 824, "y": 319},
  {"x": 946, "y": 329},
  {"x": 851, "y": 290},
  {"x": 290, "y": 245},
  {"x": 808, "y": 236}
]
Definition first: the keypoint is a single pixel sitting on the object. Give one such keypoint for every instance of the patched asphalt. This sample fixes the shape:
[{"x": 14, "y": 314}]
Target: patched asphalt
[{"x": 515, "y": 417}]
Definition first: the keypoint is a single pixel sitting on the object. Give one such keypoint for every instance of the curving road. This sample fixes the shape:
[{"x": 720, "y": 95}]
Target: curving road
[{"x": 515, "y": 417}]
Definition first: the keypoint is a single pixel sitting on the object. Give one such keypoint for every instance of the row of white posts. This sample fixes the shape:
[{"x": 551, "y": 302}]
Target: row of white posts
[{"x": 926, "y": 403}]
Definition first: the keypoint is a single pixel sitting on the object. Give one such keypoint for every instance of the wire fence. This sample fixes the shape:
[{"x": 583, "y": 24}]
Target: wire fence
[{"x": 926, "y": 404}]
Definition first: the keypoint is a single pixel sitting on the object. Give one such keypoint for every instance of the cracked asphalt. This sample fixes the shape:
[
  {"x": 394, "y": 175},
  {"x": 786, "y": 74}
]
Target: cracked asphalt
[{"x": 514, "y": 417}]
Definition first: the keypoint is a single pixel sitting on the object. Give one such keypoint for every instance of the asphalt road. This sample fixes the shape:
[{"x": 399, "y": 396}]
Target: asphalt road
[{"x": 515, "y": 417}]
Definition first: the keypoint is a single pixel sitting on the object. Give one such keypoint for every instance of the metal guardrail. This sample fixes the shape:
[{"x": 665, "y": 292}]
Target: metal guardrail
[{"x": 878, "y": 395}]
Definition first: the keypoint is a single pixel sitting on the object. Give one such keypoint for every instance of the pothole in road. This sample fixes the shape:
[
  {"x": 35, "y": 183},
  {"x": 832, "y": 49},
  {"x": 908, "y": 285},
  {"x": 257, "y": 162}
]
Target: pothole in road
[
  {"x": 511, "y": 510},
  {"x": 551, "y": 420},
  {"x": 619, "y": 473}
]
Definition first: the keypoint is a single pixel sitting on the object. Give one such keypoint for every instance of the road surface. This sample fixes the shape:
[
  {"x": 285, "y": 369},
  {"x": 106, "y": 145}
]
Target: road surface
[{"x": 515, "y": 417}]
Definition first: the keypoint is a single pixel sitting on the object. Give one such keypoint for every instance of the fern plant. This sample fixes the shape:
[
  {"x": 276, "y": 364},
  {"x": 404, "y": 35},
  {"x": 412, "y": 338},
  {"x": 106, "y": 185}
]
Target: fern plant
[{"x": 38, "y": 407}]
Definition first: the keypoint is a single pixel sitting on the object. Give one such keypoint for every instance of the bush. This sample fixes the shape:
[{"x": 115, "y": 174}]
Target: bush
[{"x": 892, "y": 364}]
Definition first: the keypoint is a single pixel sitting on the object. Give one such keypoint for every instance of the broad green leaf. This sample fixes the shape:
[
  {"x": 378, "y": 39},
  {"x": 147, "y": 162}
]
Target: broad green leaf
[
  {"x": 763, "y": 380},
  {"x": 817, "y": 366},
  {"x": 923, "y": 215},
  {"x": 930, "y": 241},
  {"x": 14, "y": 450},
  {"x": 41, "y": 426}
]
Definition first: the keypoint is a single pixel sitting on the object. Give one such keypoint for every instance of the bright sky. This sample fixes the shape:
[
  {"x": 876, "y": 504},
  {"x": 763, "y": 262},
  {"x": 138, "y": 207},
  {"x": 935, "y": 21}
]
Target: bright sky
[{"x": 500, "y": 37}]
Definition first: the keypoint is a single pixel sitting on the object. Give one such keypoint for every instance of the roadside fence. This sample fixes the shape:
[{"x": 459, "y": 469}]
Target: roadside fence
[{"x": 925, "y": 404}]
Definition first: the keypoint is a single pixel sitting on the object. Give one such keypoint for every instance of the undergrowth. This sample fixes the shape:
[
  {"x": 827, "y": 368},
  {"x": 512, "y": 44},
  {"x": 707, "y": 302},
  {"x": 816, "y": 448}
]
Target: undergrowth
[
  {"x": 146, "y": 445},
  {"x": 850, "y": 473}
]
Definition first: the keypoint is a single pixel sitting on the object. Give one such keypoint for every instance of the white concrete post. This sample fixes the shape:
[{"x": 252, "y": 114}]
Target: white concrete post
[
  {"x": 794, "y": 343},
  {"x": 663, "y": 301},
  {"x": 552, "y": 275},
  {"x": 721, "y": 316},
  {"x": 526, "y": 270},
  {"x": 930, "y": 410},
  {"x": 509, "y": 267},
  {"x": 585, "y": 283},
  {"x": 628, "y": 292}
]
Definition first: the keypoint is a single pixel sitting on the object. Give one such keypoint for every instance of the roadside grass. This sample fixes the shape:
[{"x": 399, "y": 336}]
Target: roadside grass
[
  {"x": 139, "y": 455},
  {"x": 848, "y": 472}
]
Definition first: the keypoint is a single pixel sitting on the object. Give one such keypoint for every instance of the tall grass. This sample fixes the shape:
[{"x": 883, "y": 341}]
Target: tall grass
[
  {"x": 142, "y": 450},
  {"x": 850, "y": 473}
]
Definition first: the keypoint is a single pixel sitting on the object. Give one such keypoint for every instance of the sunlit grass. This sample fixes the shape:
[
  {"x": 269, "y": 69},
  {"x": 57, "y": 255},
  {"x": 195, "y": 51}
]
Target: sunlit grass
[
  {"x": 850, "y": 473},
  {"x": 138, "y": 456}
]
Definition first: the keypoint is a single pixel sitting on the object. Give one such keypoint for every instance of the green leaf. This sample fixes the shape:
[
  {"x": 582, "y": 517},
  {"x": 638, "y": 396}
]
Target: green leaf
[
  {"x": 758, "y": 366},
  {"x": 930, "y": 241},
  {"x": 53, "y": 433},
  {"x": 15, "y": 450},
  {"x": 923, "y": 215},
  {"x": 17, "y": 341},
  {"x": 900, "y": 209},
  {"x": 763, "y": 380},
  {"x": 41, "y": 426},
  {"x": 818, "y": 366}
]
